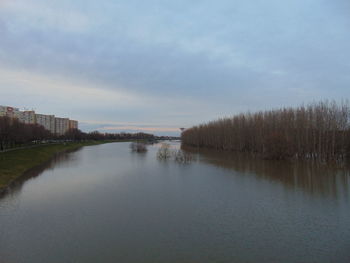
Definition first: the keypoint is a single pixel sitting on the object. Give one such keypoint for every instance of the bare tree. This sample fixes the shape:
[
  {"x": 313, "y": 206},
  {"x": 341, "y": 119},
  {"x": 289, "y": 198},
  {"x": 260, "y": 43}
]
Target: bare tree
[{"x": 317, "y": 131}]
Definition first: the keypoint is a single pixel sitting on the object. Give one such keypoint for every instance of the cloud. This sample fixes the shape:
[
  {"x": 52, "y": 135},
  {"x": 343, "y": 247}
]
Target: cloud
[
  {"x": 43, "y": 16},
  {"x": 56, "y": 88},
  {"x": 170, "y": 63},
  {"x": 94, "y": 105},
  {"x": 139, "y": 128}
]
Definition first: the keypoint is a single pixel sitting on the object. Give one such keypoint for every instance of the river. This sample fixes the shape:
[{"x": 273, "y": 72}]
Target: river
[{"x": 107, "y": 204}]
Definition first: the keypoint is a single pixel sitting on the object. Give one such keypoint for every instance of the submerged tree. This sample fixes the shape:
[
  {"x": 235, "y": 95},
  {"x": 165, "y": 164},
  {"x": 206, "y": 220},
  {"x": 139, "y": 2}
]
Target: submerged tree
[
  {"x": 318, "y": 131},
  {"x": 164, "y": 152},
  {"x": 138, "y": 147}
]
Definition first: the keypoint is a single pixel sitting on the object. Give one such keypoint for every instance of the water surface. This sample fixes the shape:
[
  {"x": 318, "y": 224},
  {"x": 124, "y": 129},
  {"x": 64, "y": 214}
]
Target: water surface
[{"x": 106, "y": 204}]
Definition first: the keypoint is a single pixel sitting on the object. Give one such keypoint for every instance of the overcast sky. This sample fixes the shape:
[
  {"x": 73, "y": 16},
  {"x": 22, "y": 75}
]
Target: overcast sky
[{"x": 157, "y": 65}]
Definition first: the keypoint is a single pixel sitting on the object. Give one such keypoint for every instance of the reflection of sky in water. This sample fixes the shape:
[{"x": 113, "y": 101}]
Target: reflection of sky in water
[{"x": 108, "y": 204}]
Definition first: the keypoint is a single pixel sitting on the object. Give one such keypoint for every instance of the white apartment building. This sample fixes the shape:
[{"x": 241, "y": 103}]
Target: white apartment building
[
  {"x": 61, "y": 125},
  {"x": 27, "y": 117},
  {"x": 47, "y": 121},
  {"x": 54, "y": 124}
]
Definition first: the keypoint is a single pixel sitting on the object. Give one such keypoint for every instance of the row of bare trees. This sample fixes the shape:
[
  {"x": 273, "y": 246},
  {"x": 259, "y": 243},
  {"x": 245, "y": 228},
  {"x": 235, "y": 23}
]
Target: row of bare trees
[
  {"x": 319, "y": 131},
  {"x": 14, "y": 133}
]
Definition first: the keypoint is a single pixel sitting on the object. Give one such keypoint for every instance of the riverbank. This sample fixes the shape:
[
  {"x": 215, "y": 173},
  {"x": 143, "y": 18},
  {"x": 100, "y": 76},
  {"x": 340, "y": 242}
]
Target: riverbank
[{"x": 14, "y": 164}]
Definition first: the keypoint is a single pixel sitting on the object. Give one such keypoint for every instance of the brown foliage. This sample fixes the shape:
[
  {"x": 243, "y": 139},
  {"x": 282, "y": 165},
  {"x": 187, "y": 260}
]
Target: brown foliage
[
  {"x": 317, "y": 131},
  {"x": 138, "y": 147}
]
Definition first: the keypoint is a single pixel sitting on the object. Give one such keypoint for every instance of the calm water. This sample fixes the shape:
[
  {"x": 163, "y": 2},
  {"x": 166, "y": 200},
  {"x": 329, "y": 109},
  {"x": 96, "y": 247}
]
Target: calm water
[{"x": 106, "y": 204}]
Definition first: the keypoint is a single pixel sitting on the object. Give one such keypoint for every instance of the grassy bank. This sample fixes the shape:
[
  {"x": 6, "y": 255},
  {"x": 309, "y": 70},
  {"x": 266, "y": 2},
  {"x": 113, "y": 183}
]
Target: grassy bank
[{"x": 15, "y": 163}]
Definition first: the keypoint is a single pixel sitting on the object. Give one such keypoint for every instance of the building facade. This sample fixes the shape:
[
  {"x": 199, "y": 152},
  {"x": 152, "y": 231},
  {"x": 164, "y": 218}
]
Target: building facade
[
  {"x": 3, "y": 111},
  {"x": 55, "y": 125},
  {"x": 47, "y": 121},
  {"x": 73, "y": 124},
  {"x": 10, "y": 112},
  {"x": 61, "y": 125},
  {"x": 27, "y": 117}
]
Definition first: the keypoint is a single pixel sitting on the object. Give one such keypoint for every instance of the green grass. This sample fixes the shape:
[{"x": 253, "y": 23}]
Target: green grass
[{"x": 14, "y": 164}]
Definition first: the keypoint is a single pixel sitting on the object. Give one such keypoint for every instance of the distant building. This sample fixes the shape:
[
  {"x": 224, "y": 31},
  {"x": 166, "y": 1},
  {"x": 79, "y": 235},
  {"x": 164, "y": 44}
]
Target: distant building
[
  {"x": 55, "y": 125},
  {"x": 3, "y": 111},
  {"x": 73, "y": 124},
  {"x": 27, "y": 117},
  {"x": 9, "y": 112},
  {"x": 47, "y": 121},
  {"x": 61, "y": 125}
]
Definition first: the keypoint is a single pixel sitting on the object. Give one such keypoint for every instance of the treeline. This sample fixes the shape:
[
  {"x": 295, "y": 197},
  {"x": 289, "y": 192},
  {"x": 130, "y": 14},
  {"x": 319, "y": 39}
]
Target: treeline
[
  {"x": 14, "y": 133},
  {"x": 319, "y": 131},
  {"x": 75, "y": 134}
]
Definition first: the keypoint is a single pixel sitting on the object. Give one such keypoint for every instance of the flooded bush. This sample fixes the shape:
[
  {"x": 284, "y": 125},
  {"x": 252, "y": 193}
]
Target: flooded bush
[
  {"x": 182, "y": 157},
  {"x": 138, "y": 147},
  {"x": 166, "y": 153}
]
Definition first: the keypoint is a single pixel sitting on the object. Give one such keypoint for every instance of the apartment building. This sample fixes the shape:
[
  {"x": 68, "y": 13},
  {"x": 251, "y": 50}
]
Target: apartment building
[
  {"x": 61, "y": 125},
  {"x": 47, "y": 121},
  {"x": 3, "y": 110},
  {"x": 73, "y": 124},
  {"x": 10, "y": 112},
  {"x": 55, "y": 125},
  {"x": 27, "y": 117}
]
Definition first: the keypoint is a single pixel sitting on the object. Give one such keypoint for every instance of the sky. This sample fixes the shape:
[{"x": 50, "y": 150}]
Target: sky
[{"x": 158, "y": 65}]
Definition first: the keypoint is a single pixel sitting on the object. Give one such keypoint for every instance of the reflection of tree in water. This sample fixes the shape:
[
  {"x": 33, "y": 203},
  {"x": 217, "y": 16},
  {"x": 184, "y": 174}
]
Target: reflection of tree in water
[
  {"x": 166, "y": 152},
  {"x": 59, "y": 158},
  {"x": 314, "y": 178}
]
